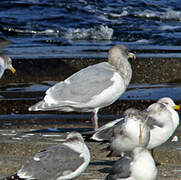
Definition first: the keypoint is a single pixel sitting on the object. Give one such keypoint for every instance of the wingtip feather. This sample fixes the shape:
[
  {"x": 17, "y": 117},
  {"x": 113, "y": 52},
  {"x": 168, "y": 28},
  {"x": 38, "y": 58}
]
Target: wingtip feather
[{"x": 36, "y": 107}]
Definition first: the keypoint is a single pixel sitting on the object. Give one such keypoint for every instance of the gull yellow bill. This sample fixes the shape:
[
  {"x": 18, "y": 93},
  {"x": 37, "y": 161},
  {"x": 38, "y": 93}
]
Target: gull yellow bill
[
  {"x": 13, "y": 70},
  {"x": 176, "y": 107}
]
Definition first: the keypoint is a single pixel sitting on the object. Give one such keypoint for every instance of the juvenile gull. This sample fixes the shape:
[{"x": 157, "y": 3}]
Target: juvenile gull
[
  {"x": 60, "y": 162},
  {"x": 5, "y": 63},
  {"x": 106, "y": 132},
  {"x": 91, "y": 88},
  {"x": 140, "y": 166},
  {"x": 126, "y": 135}
]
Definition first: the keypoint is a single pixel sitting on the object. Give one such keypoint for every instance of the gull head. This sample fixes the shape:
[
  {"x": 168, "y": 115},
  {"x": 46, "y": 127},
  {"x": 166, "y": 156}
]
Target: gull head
[{"x": 169, "y": 102}]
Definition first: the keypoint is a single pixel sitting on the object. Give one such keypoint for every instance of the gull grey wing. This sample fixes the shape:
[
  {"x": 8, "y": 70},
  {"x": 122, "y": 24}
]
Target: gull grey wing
[
  {"x": 51, "y": 162},
  {"x": 1, "y": 71},
  {"x": 106, "y": 132},
  {"x": 153, "y": 122},
  {"x": 83, "y": 85},
  {"x": 118, "y": 129},
  {"x": 121, "y": 169}
]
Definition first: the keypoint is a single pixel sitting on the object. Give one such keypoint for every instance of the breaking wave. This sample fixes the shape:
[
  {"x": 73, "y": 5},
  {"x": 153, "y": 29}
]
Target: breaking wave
[{"x": 98, "y": 33}]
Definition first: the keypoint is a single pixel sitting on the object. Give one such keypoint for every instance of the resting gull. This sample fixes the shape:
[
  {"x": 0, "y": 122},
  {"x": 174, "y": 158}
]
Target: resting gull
[
  {"x": 140, "y": 166},
  {"x": 5, "y": 63},
  {"x": 63, "y": 161},
  {"x": 160, "y": 128},
  {"x": 91, "y": 88},
  {"x": 126, "y": 135},
  {"x": 163, "y": 121}
]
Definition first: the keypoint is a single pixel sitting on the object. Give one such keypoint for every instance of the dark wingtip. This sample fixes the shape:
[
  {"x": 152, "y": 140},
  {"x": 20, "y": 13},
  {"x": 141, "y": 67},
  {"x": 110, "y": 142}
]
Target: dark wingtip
[{"x": 13, "y": 177}]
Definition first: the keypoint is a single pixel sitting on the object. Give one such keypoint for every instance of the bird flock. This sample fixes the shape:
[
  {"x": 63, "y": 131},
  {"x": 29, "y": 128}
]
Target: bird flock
[{"x": 88, "y": 90}]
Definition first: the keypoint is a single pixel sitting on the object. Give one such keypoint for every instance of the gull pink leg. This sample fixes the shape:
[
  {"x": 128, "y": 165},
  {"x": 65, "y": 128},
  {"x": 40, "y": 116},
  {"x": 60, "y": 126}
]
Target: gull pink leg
[{"x": 95, "y": 121}]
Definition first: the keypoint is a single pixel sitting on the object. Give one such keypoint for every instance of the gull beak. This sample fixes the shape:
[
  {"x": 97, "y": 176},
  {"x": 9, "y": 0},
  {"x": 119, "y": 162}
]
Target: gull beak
[
  {"x": 176, "y": 107},
  {"x": 13, "y": 70},
  {"x": 132, "y": 56}
]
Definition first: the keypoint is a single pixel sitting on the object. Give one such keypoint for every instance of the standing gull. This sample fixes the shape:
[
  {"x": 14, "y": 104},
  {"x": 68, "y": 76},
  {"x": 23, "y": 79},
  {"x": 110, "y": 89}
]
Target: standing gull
[
  {"x": 126, "y": 136},
  {"x": 91, "y": 88},
  {"x": 5, "y": 63},
  {"x": 140, "y": 166},
  {"x": 63, "y": 161}
]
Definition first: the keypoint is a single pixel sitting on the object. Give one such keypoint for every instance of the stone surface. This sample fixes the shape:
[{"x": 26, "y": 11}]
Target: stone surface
[{"x": 16, "y": 147}]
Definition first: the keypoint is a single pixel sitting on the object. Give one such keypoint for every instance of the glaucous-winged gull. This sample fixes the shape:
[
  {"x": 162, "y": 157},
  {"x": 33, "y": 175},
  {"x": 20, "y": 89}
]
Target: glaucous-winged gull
[{"x": 91, "y": 88}]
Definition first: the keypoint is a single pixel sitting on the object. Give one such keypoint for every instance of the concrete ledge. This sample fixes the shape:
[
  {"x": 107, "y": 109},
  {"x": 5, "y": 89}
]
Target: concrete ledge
[{"x": 144, "y": 70}]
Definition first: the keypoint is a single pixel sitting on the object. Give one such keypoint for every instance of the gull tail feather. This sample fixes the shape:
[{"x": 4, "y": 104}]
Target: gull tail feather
[{"x": 42, "y": 106}]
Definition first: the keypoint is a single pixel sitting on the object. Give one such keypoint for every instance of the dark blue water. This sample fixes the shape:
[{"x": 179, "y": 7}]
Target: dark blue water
[{"x": 80, "y": 28}]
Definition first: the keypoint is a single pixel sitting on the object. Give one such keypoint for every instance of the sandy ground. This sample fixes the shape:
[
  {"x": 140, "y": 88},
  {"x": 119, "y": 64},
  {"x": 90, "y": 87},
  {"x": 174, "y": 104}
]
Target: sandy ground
[{"x": 16, "y": 146}]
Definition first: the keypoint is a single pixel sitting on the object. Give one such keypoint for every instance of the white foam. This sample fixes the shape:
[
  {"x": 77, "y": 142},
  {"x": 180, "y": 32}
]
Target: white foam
[
  {"x": 100, "y": 32},
  {"x": 114, "y": 15},
  {"x": 169, "y": 27},
  {"x": 143, "y": 41},
  {"x": 168, "y": 14},
  {"x": 147, "y": 13},
  {"x": 171, "y": 15}
]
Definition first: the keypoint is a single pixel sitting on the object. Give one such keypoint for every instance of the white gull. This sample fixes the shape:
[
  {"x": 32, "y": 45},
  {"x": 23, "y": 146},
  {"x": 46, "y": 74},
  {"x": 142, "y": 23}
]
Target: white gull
[
  {"x": 91, "y": 88},
  {"x": 140, "y": 166},
  {"x": 126, "y": 135}
]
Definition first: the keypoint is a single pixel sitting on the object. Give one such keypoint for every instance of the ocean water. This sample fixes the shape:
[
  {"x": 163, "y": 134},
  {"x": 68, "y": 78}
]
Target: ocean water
[{"x": 82, "y": 28}]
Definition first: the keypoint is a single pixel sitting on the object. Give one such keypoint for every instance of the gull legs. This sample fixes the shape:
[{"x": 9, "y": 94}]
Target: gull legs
[{"x": 95, "y": 120}]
